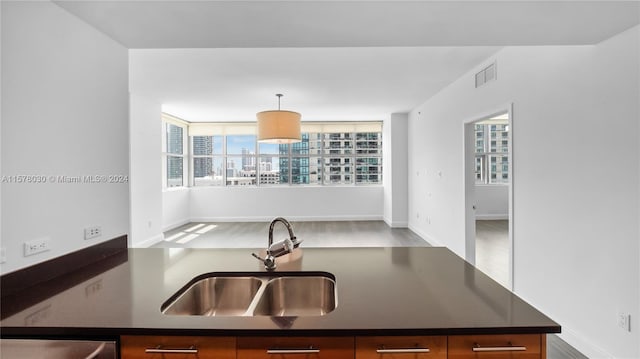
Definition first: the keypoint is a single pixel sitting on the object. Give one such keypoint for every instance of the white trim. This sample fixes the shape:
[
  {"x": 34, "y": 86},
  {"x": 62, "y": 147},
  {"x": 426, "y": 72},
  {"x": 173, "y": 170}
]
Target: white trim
[
  {"x": 492, "y": 217},
  {"x": 397, "y": 224},
  {"x": 176, "y": 224},
  {"x": 432, "y": 241},
  {"x": 250, "y": 128},
  {"x": 176, "y": 189},
  {"x": 149, "y": 241},
  {"x": 466, "y": 182},
  {"x": 290, "y": 218},
  {"x": 174, "y": 120},
  {"x": 583, "y": 346}
]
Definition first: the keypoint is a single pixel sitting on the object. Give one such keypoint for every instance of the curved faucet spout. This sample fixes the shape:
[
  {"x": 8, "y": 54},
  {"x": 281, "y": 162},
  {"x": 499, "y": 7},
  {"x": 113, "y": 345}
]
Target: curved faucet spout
[
  {"x": 281, "y": 248},
  {"x": 292, "y": 237}
]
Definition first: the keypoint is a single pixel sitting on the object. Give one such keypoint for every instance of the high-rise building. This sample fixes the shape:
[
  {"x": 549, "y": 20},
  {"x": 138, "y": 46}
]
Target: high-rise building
[
  {"x": 174, "y": 152},
  {"x": 248, "y": 159},
  {"x": 492, "y": 152},
  {"x": 202, "y": 166}
]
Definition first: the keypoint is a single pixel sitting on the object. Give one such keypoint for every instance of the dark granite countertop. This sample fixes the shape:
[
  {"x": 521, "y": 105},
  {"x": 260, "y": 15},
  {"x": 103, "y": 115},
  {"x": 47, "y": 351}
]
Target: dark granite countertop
[{"x": 381, "y": 291}]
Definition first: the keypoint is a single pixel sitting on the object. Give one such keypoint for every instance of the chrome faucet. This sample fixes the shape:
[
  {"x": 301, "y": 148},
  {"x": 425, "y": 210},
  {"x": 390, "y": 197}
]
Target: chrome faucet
[
  {"x": 292, "y": 237},
  {"x": 280, "y": 248}
]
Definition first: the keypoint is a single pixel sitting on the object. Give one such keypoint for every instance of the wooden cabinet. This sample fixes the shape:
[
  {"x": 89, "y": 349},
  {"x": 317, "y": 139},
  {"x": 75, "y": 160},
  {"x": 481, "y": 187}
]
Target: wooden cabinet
[
  {"x": 527, "y": 346},
  {"x": 295, "y": 347},
  {"x": 177, "y": 347},
  {"x": 405, "y": 347}
]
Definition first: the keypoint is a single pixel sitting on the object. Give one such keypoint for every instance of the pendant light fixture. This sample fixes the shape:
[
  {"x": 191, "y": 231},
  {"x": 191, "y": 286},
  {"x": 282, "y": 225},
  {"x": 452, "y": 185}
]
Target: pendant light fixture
[{"x": 278, "y": 126}]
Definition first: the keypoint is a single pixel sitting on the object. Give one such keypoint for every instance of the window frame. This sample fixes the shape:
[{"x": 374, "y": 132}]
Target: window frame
[
  {"x": 320, "y": 154},
  {"x": 491, "y": 150},
  {"x": 166, "y": 122}
]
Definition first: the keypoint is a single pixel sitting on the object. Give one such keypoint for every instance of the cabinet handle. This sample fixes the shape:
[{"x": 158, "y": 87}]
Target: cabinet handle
[
  {"x": 309, "y": 350},
  {"x": 402, "y": 350},
  {"x": 509, "y": 348},
  {"x": 160, "y": 350}
]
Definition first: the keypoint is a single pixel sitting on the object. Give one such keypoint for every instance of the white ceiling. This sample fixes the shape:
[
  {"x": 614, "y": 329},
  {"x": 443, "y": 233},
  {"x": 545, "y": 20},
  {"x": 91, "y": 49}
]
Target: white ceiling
[
  {"x": 333, "y": 60},
  {"x": 321, "y": 83}
]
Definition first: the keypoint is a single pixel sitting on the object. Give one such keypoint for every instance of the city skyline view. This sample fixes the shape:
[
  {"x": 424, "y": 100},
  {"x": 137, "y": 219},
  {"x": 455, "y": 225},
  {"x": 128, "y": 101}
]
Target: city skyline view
[{"x": 339, "y": 158}]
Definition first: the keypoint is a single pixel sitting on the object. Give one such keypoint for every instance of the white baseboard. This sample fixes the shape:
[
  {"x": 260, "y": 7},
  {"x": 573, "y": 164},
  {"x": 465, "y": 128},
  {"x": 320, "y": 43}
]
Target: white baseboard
[
  {"x": 396, "y": 224},
  {"x": 491, "y": 217},
  {"x": 290, "y": 218},
  {"x": 176, "y": 224},
  {"x": 424, "y": 236},
  {"x": 148, "y": 242},
  {"x": 585, "y": 347}
]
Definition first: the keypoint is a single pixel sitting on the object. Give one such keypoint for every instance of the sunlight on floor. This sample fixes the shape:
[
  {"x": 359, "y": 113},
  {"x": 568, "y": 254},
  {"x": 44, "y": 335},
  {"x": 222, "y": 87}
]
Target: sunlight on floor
[
  {"x": 186, "y": 235},
  {"x": 193, "y": 228}
]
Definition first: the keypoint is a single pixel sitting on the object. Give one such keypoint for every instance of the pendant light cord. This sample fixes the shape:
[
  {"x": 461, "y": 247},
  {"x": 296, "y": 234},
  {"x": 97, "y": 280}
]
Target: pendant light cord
[{"x": 279, "y": 97}]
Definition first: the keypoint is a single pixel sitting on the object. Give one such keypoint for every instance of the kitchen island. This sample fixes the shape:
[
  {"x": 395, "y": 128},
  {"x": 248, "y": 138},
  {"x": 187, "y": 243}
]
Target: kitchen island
[{"x": 396, "y": 291}]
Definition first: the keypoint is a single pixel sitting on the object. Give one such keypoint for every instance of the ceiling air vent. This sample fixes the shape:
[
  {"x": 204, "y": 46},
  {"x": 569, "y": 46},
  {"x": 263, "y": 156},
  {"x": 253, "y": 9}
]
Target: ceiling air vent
[{"x": 485, "y": 75}]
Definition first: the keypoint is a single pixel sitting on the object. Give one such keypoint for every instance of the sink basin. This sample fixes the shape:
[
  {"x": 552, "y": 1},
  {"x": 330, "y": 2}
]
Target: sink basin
[
  {"x": 297, "y": 297},
  {"x": 215, "y": 296},
  {"x": 275, "y": 294}
]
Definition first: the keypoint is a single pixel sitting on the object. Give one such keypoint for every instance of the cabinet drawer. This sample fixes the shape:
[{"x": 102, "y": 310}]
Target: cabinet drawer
[
  {"x": 414, "y": 347},
  {"x": 186, "y": 347},
  {"x": 295, "y": 347},
  {"x": 527, "y": 346}
]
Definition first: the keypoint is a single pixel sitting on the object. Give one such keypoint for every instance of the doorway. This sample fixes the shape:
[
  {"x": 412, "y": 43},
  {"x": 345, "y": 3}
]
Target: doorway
[{"x": 489, "y": 194}]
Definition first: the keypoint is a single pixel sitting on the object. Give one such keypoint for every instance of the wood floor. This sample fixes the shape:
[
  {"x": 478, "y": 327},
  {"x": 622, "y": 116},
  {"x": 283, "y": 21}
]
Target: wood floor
[
  {"x": 313, "y": 234},
  {"x": 491, "y": 247}
]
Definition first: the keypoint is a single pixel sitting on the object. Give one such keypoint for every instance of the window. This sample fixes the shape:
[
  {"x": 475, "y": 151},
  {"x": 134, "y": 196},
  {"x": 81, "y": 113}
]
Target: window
[
  {"x": 306, "y": 160},
  {"x": 492, "y": 156},
  {"x": 241, "y": 160},
  {"x": 323, "y": 157},
  {"x": 207, "y": 160},
  {"x": 338, "y": 156},
  {"x": 174, "y": 145},
  {"x": 368, "y": 157}
]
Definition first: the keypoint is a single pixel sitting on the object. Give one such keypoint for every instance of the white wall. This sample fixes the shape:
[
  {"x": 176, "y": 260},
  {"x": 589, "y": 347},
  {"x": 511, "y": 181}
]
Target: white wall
[
  {"x": 394, "y": 164},
  {"x": 492, "y": 201},
  {"x": 176, "y": 209},
  {"x": 294, "y": 203},
  {"x": 2, "y": 247},
  {"x": 64, "y": 113},
  {"x": 146, "y": 171},
  {"x": 576, "y": 180}
]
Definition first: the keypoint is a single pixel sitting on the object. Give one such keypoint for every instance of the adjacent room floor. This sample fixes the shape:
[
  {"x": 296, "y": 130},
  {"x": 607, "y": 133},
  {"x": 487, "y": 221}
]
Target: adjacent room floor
[
  {"x": 492, "y": 249},
  {"x": 491, "y": 246}
]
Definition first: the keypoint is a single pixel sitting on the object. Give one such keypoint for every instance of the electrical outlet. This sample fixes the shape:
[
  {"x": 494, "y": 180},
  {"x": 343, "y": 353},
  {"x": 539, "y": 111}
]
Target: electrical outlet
[
  {"x": 624, "y": 321},
  {"x": 3, "y": 255},
  {"x": 92, "y": 232},
  {"x": 38, "y": 316},
  {"x": 93, "y": 288},
  {"x": 37, "y": 246}
]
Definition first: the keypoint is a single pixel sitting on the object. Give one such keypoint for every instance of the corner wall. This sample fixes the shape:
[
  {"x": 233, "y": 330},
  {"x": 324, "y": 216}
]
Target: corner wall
[
  {"x": 64, "y": 113},
  {"x": 394, "y": 164},
  {"x": 576, "y": 180},
  {"x": 176, "y": 209},
  {"x": 146, "y": 172}
]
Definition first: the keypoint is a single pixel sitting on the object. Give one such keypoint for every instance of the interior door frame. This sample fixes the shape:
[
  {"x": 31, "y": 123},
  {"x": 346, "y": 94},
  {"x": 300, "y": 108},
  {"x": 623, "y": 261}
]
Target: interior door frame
[{"x": 469, "y": 186}]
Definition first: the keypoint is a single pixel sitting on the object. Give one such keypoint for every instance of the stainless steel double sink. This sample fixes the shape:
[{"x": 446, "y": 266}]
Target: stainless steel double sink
[{"x": 276, "y": 294}]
